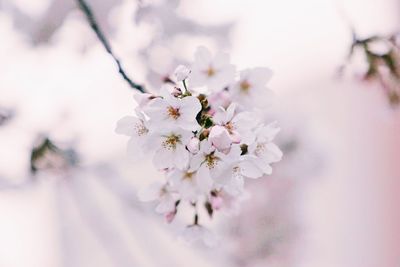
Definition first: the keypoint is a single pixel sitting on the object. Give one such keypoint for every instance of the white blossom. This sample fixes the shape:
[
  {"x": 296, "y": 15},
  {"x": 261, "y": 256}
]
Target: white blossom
[
  {"x": 181, "y": 73},
  {"x": 142, "y": 100},
  {"x": 169, "y": 111},
  {"x": 197, "y": 233},
  {"x": 206, "y": 144},
  {"x": 239, "y": 125},
  {"x": 159, "y": 192},
  {"x": 263, "y": 151},
  {"x": 137, "y": 129},
  {"x": 170, "y": 148},
  {"x": 221, "y": 138},
  {"x": 189, "y": 184},
  {"x": 215, "y": 73},
  {"x": 251, "y": 86},
  {"x": 208, "y": 161},
  {"x": 194, "y": 145},
  {"x": 237, "y": 168}
]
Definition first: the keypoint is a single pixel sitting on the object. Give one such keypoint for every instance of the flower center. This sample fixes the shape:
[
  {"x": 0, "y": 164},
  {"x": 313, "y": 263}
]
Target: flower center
[
  {"x": 211, "y": 160},
  {"x": 171, "y": 142},
  {"x": 260, "y": 148},
  {"x": 236, "y": 172},
  {"x": 210, "y": 71},
  {"x": 141, "y": 129},
  {"x": 188, "y": 176},
  {"x": 173, "y": 112},
  {"x": 245, "y": 86}
]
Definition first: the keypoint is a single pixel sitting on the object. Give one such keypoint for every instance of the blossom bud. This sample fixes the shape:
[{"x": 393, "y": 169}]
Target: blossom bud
[
  {"x": 170, "y": 216},
  {"x": 220, "y": 138},
  {"x": 216, "y": 202},
  {"x": 181, "y": 73},
  {"x": 194, "y": 145}
]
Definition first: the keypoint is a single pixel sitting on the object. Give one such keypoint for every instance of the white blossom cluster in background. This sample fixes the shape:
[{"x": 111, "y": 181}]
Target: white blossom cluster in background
[
  {"x": 164, "y": 51},
  {"x": 206, "y": 135}
]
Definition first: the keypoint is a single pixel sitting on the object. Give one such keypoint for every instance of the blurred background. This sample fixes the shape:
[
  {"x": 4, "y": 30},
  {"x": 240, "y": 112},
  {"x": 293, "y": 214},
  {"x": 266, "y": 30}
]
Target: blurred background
[{"x": 68, "y": 191}]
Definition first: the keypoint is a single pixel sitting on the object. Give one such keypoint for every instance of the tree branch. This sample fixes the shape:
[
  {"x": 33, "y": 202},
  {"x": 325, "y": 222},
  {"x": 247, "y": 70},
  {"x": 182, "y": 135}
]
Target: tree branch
[{"x": 100, "y": 35}]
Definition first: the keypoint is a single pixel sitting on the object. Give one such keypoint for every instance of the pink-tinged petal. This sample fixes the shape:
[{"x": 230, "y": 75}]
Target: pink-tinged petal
[
  {"x": 220, "y": 117},
  {"x": 203, "y": 180},
  {"x": 157, "y": 109},
  {"x": 259, "y": 76},
  {"x": 263, "y": 165},
  {"x": 170, "y": 216},
  {"x": 166, "y": 91},
  {"x": 247, "y": 137},
  {"x": 235, "y": 186},
  {"x": 244, "y": 75},
  {"x": 181, "y": 157},
  {"x": 245, "y": 121},
  {"x": 274, "y": 154},
  {"x": 250, "y": 170},
  {"x": 163, "y": 159},
  {"x": 216, "y": 202},
  {"x": 235, "y": 137},
  {"x": 190, "y": 106},
  {"x": 233, "y": 155},
  {"x": 206, "y": 147},
  {"x": 175, "y": 177},
  {"x": 203, "y": 174},
  {"x": 167, "y": 204},
  {"x": 220, "y": 137},
  {"x": 126, "y": 125},
  {"x": 194, "y": 145},
  {"x": 202, "y": 57},
  {"x": 152, "y": 142},
  {"x": 188, "y": 191},
  {"x": 196, "y": 161},
  {"x": 224, "y": 175},
  {"x": 142, "y": 98},
  {"x": 268, "y": 133},
  {"x": 230, "y": 111}
]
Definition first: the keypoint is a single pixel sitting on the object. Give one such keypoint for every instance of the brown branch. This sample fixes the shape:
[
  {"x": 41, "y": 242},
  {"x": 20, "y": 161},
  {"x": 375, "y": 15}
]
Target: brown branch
[{"x": 100, "y": 35}]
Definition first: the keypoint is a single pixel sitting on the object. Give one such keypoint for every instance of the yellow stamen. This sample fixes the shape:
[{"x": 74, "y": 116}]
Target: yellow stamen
[
  {"x": 245, "y": 86},
  {"x": 171, "y": 141},
  {"x": 210, "y": 72},
  {"x": 211, "y": 161},
  {"x": 173, "y": 112}
]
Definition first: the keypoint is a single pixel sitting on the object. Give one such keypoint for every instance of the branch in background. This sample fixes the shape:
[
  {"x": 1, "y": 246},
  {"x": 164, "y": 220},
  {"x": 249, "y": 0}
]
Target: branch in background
[
  {"x": 100, "y": 35},
  {"x": 382, "y": 66},
  {"x": 5, "y": 115}
]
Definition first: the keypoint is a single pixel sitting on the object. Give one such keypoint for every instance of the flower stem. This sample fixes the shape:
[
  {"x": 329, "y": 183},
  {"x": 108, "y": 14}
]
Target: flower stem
[
  {"x": 100, "y": 35},
  {"x": 184, "y": 85}
]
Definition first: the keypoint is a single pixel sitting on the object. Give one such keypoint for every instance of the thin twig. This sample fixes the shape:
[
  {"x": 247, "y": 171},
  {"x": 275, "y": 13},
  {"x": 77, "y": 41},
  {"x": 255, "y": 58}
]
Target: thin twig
[{"x": 100, "y": 35}]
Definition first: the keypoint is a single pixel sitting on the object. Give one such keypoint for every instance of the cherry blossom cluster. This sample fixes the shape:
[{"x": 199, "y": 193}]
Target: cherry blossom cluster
[{"x": 203, "y": 132}]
